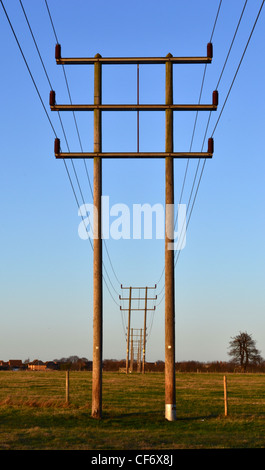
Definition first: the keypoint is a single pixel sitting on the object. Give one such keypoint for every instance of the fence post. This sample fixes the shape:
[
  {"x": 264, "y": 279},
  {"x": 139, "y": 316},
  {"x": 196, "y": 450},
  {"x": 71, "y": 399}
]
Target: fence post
[
  {"x": 225, "y": 396},
  {"x": 67, "y": 387}
]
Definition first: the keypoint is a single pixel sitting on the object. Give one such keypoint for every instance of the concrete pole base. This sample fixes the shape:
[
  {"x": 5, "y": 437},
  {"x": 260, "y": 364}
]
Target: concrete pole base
[{"x": 170, "y": 412}]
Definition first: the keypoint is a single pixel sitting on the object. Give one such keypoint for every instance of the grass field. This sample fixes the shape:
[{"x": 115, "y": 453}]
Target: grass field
[{"x": 35, "y": 416}]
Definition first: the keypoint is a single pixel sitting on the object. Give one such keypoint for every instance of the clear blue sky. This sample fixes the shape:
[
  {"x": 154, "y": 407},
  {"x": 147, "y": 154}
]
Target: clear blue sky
[{"x": 46, "y": 269}]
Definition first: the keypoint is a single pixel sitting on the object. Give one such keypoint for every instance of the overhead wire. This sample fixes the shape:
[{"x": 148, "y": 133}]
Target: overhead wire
[
  {"x": 39, "y": 95},
  {"x": 199, "y": 101},
  {"x": 34, "y": 82},
  {"x": 194, "y": 128},
  {"x": 90, "y": 185},
  {"x": 225, "y": 101},
  {"x": 45, "y": 110},
  {"x": 239, "y": 65},
  {"x": 192, "y": 138},
  {"x": 204, "y": 162},
  {"x": 26, "y": 63},
  {"x": 80, "y": 142},
  {"x": 224, "y": 104}
]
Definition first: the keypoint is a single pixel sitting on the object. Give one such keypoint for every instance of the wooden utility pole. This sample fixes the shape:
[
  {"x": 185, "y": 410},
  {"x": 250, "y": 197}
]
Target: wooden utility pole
[
  {"x": 170, "y": 394},
  {"x": 132, "y": 356},
  {"x": 140, "y": 353},
  {"x": 145, "y": 314},
  {"x": 136, "y": 348},
  {"x": 97, "y": 277},
  {"x": 128, "y": 330}
]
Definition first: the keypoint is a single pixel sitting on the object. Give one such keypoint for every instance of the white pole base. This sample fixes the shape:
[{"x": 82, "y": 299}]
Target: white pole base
[{"x": 170, "y": 412}]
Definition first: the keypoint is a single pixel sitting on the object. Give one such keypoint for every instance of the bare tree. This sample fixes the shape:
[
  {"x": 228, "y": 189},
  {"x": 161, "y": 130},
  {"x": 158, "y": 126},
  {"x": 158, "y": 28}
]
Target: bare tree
[{"x": 243, "y": 351}]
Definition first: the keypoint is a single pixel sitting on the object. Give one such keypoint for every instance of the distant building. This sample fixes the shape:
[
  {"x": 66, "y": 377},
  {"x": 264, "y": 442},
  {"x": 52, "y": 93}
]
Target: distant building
[
  {"x": 39, "y": 365},
  {"x": 15, "y": 364},
  {"x": 4, "y": 365},
  {"x": 36, "y": 365}
]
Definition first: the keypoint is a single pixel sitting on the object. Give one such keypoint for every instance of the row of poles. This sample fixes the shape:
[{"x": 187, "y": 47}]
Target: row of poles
[
  {"x": 132, "y": 308},
  {"x": 137, "y": 351}
]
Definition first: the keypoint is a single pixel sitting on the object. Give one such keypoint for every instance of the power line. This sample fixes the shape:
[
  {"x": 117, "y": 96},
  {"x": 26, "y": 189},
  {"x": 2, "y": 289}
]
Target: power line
[
  {"x": 51, "y": 87},
  {"x": 69, "y": 94},
  {"x": 33, "y": 37},
  {"x": 38, "y": 92},
  {"x": 239, "y": 65},
  {"x": 39, "y": 95},
  {"x": 49, "y": 81},
  {"x": 194, "y": 128},
  {"x": 201, "y": 90},
  {"x": 26, "y": 63},
  {"x": 193, "y": 133},
  {"x": 232, "y": 42},
  {"x": 79, "y": 138},
  {"x": 231, "y": 86},
  {"x": 225, "y": 101}
]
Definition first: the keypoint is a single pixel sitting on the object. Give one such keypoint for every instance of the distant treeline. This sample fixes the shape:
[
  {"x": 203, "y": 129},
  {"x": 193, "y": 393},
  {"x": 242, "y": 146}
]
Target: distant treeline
[
  {"x": 185, "y": 366},
  {"x": 113, "y": 365}
]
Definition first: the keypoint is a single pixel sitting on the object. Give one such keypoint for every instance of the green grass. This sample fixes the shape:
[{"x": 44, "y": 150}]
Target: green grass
[{"x": 34, "y": 415}]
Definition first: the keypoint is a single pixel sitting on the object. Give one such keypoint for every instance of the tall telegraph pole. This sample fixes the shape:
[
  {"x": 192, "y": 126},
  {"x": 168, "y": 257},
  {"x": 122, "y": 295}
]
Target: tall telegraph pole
[
  {"x": 170, "y": 395},
  {"x": 97, "y": 262}
]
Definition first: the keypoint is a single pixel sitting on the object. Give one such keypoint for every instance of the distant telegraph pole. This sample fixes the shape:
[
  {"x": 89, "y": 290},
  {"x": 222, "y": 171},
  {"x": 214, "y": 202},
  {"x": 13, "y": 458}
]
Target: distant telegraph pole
[
  {"x": 128, "y": 330},
  {"x": 168, "y": 108},
  {"x": 132, "y": 308},
  {"x": 136, "y": 349}
]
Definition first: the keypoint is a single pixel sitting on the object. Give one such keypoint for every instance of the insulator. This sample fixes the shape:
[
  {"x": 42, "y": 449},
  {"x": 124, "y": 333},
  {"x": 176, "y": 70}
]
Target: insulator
[
  {"x": 210, "y": 50},
  {"x": 58, "y": 51},
  {"x": 215, "y": 98},
  {"x": 210, "y": 145},
  {"x": 52, "y": 98},
  {"x": 57, "y": 146}
]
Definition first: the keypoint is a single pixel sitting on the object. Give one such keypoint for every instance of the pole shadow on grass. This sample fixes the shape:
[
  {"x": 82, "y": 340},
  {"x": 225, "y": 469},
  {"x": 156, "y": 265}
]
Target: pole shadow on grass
[
  {"x": 155, "y": 416},
  {"x": 198, "y": 418}
]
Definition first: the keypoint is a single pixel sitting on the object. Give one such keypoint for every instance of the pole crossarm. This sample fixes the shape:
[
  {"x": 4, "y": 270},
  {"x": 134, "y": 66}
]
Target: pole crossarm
[
  {"x": 133, "y": 107},
  {"x": 122, "y": 287},
  {"x": 137, "y": 298},
  {"x": 76, "y": 155},
  {"x": 138, "y": 309},
  {"x": 132, "y": 60}
]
